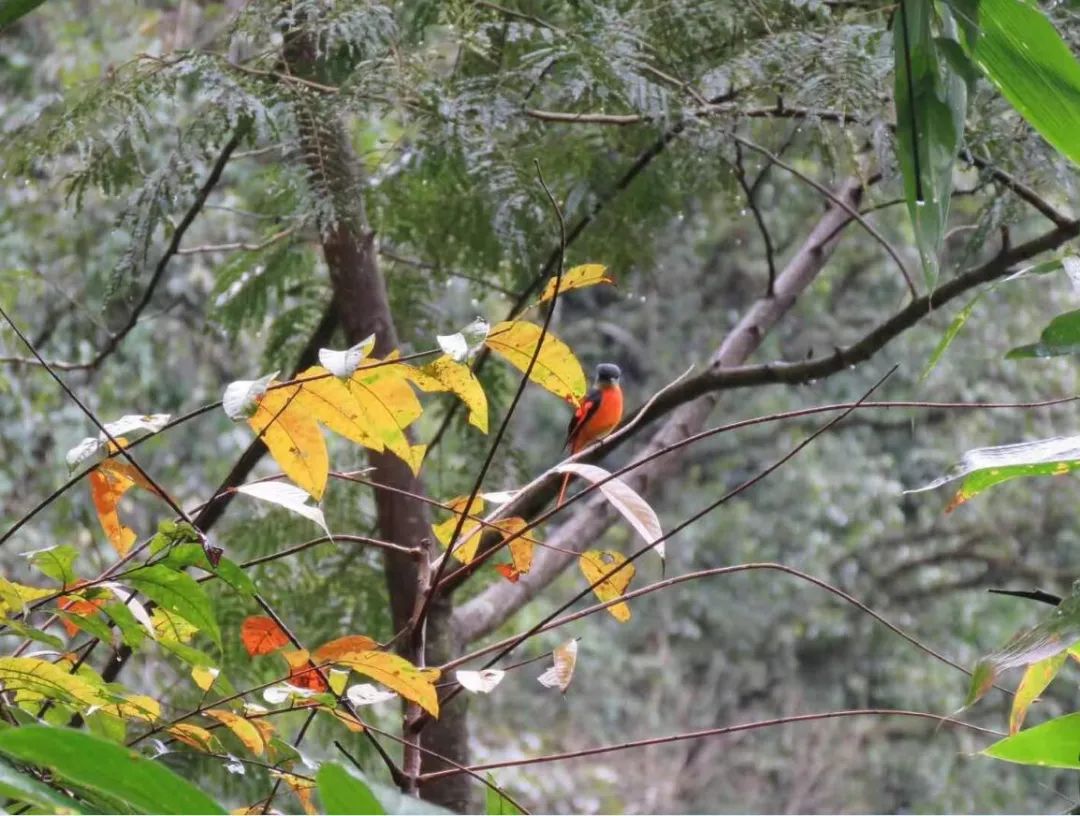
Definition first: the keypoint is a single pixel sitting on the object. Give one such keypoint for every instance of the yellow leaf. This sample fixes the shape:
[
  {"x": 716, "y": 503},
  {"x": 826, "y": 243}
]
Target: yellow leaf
[
  {"x": 595, "y": 564},
  {"x": 556, "y": 368},
  {"x": 266, "y": 730},
  {"x": 293, "y": 437},
  {"x": 576, "y": 278},
  {"x": 1035, "y": 680},
  {"x": 244, "y": 730},
  {"x": 431, "y": 675},
  {"x": 301, "y": 787},
  {"x": 388, "y": 405},
  {"x": 446, "y": 374},
  {"x": 330, "y": 401},
  {"x": 169, "y": 626},
  {"x": 106, "y": 489},
  {"x": 395, "y": 673},
  {"x": 204, "y": 677},
  {"x": 521, "y": 548},
  {"x": 14, "y": 597},
  {"x": 31, "y": 679},
  {"x": 137, "y": 707},
  {"x": 562, "y": 672},
  {"x": 469, "y": 537},
  {"x": 194, "y": 736}
]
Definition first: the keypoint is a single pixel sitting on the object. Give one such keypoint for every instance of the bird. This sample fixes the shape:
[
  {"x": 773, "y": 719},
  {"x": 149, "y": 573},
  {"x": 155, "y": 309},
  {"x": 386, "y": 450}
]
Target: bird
[{"x": 597, "y": 415}]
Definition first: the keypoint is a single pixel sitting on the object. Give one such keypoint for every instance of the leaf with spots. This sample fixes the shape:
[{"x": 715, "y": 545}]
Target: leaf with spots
[
  {"x": 982, "y": 468},
  {"x": 446, "y": 374},
  {"x": 595, "y": 564},
  {"x": 342, "y": 645}
]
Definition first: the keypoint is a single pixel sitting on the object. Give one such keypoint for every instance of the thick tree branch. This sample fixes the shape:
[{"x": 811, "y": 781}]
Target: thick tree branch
[{"x": 721, "y": 378}]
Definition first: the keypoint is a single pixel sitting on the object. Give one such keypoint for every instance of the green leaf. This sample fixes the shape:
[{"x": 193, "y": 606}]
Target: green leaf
[
  {"x": 22, "y": 630},
  {"x": 343, "y": 793},
  {"x": 982, "y": 468},
  {"x": 22, "y": 788},
  {"x": 57, "y": 562},
  {"x": 93, "y": 625},
  {"x": 99, "y": 765},
  {"x": 131, "y": 630},
  {"x": 496, "y": 802},
  {"x": 12, "y": 10},
  {"x": 1050, "y": 637},
  {"x": 1022, "y": 54},
  {"x": 190, "y": 554},
  {"x": 1053, "y": 744},
  {"x": 931, "y": 102},
  {"x": 179, "y": 593},
  {"x": 1061, "y": 336}
]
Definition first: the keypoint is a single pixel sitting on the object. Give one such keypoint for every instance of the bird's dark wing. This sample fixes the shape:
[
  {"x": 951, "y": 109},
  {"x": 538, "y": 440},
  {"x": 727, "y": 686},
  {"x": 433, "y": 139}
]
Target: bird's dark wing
[{"x": 584, "y": 412}]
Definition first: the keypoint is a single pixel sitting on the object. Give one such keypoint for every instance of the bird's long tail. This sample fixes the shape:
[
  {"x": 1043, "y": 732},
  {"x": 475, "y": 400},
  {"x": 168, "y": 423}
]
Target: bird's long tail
[{"x": 562, "y": 491}]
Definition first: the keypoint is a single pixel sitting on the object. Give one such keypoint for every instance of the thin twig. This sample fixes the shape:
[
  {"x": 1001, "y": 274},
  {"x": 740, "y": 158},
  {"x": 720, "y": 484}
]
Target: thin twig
[
  {"x": 273, "y": 239},
  {"x": 839, "y": 202}
]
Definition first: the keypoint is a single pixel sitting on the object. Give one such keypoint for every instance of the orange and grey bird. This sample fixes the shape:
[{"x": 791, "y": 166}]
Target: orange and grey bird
[{"x": 597, "y": 415}]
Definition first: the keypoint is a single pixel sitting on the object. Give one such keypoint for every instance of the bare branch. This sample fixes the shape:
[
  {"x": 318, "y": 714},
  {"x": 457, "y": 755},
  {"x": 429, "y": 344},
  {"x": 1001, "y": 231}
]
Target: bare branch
[{"x": 713, "y": 732}]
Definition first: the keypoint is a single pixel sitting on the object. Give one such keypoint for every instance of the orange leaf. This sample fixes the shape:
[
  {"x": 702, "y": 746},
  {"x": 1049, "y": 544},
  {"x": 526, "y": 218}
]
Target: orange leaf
[
  {"x": 339, "y": 646},
  {"x": 261, "y": 635},
  {"x": 508, "y": 572},
  {"x": 106, "y": 488},
  {"x": 398, "y": 674},
  {"x": 595, "y": 564},
  {"x": 301, "y": 674},
  {"x": 293, "y": 437},
  {"x": 78, "y": 606}
]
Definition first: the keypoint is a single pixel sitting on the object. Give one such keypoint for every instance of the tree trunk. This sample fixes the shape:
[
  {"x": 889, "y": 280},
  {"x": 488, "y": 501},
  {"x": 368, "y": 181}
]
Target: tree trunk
[{"x": 364, "y": 310}]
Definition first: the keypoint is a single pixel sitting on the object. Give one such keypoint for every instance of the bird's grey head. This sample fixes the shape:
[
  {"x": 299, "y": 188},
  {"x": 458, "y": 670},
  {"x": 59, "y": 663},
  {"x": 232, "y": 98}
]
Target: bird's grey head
[{"x": 607, "y": 373}]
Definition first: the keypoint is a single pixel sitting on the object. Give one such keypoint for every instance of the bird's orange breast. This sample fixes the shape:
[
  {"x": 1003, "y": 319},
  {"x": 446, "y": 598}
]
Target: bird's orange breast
[{"x": 603, "y": 420}]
